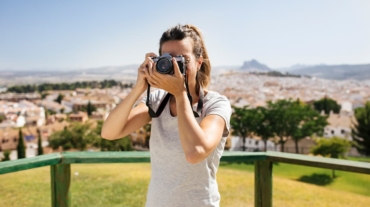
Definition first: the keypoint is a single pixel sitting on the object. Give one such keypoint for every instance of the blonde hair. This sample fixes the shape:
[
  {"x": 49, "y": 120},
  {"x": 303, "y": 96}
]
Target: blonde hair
[{"x": 179, "y": 32}]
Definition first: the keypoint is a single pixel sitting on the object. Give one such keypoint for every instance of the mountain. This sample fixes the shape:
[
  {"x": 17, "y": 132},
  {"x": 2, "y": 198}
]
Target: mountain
[
  {"x": 128, "y": 73},
  {"x": 254, "y": 66},
  {"x": 336, "y": 72},
  {"x": 293, "y": 67}
]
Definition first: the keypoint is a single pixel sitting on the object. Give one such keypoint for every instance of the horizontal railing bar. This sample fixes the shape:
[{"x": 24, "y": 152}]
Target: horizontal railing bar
[
  {"x": 237, "y": 156},
  {"x": 29, "y": 163},
  {"x": 320, "y": 162},
  {"x": 105, "y": 157},
  {"x": 140, "y": 157},
  {"x": 126, "y": 157}
]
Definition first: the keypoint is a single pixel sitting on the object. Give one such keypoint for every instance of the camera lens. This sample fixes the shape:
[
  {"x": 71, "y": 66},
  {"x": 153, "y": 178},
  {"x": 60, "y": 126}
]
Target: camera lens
[{"x": 164, "y": 66}]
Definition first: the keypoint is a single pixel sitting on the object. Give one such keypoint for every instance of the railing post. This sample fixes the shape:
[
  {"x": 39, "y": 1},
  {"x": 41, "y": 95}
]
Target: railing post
[
  {"x": 263, "y": 183},
  {"x": 60, "y": 183}
]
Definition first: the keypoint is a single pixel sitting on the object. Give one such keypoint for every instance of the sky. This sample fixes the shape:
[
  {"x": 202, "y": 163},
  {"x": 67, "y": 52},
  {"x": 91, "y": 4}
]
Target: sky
[{"x": 57, "y": 35}]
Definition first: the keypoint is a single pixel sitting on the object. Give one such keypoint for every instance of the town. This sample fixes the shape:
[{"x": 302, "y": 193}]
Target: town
[{"x": 42, "y": 115}]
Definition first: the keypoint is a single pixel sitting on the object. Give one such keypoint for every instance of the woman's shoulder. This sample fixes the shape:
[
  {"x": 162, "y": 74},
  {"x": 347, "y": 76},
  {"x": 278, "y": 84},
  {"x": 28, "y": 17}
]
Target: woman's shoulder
[
  {"x": 218, "y": 104},
  {"x": 213, "y": 96},
  {"x": 216, "y": 101}
]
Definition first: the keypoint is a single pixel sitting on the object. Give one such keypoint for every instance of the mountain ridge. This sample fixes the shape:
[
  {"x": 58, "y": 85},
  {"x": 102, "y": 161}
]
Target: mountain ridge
[
  {"x": 336, "y": 72},
  {"x": 128, "y": 72}
]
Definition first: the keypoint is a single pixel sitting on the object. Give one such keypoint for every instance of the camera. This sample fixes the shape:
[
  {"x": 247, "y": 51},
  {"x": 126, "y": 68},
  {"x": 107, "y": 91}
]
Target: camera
[{"x": 164, "y": 63}]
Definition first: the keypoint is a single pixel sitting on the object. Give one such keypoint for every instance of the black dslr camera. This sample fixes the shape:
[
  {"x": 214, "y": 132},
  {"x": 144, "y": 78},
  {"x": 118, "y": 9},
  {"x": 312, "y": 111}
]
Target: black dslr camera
[{"x": 165, "y": 66}]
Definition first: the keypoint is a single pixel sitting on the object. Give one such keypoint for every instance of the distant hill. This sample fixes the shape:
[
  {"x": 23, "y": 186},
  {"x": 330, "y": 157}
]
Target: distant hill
[
  {"x": 293, "y": 67},
  {"x": 126, "y": 69},
  {"x": 336, "y": 72},
  {"x": 15, "y": 77},
  {"x": 128, "y": 73},
  {"x": 254, "y": 66}
]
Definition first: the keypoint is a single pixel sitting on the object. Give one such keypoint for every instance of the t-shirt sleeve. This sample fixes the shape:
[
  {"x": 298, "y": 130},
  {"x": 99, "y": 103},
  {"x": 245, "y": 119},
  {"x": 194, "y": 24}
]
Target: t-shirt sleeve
[
  {"x": 221, "y": 106},
  {"x": 155, "y": 98}
]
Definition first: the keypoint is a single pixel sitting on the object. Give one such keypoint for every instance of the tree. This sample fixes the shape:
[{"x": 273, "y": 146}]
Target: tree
[
  {"x": 59, "y": 98},
  {"x": 80, "y": 136},
  {"x": 21, "y": 151},
  {"x": 284, "y": 119},
  {"x": 50, "y": 112},
  {"x": 77, "y": 136},
  {"x": 2, "y": 117},
  {"x": 90, "y": 108},
  {"x": 147, "y": 128},
  {"x": 293, "y": 119},
  {"x": 95, "y": 138},
  {"x": 60, "y": 139},
  {"x": 361, "y": 129},
  {"x": 263, "y": 126},
  {"x": 311, "y": 122},
  {"x": 327, "y": 105},
  {"x": 6, "y": 155},
  {"x": 334, "y": 147},
  {"x": 39, "y": 143},
  {"x": 122, "y": 144},
  {"x": 243, "y": 122},
  {"x": 43, "y": 95},
  {"x": 65, "y": 86},
  {"x": 46, "y": 112}
]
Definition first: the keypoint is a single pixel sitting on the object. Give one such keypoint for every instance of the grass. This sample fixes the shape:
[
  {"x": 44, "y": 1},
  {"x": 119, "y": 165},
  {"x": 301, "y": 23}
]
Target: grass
[
  {"x": 345, "y": 181},
  {"x": 126, "y": 185},
  {"x": 361, "y": 159}
]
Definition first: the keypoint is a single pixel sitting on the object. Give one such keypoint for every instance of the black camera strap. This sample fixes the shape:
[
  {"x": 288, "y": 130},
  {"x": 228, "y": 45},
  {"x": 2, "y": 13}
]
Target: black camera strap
[
  {"x": 200, "y": 100},
  {"x": 152, "y": 113},
  {"x": 156, "y": 114}
]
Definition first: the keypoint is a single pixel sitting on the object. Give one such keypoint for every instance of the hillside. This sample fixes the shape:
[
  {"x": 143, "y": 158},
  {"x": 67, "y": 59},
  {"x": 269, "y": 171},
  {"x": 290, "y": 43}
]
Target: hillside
[{"x": 336, "y": 72}]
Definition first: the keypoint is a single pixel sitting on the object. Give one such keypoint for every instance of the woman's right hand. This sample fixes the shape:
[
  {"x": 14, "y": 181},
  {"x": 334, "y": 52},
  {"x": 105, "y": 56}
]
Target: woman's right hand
[{"x": 141, "y": 81}]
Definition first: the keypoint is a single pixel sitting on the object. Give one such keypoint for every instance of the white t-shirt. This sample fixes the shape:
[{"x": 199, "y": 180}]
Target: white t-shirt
[{"x": 175, "y": 182}]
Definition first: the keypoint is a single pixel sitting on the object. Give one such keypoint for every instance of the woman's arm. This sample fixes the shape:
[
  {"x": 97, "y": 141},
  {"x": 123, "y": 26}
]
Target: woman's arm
[
  {"x": 197, "y": 140},
  {"x": 124, "y": 119}
]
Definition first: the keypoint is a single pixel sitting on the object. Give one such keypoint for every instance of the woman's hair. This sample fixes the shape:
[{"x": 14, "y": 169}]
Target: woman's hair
[{"x": 179, "y": 32}]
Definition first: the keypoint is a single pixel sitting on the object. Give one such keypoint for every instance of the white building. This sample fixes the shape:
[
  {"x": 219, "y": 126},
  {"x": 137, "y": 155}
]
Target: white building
[
  {"x": 339, "y": 126},
  {"x": 346, "y": 108},
  {"x": 250, "y": 144}
]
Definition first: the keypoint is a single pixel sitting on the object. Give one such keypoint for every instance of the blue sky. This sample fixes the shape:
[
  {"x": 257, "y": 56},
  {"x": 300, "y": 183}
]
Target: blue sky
[{"x": 52, "y": 35}]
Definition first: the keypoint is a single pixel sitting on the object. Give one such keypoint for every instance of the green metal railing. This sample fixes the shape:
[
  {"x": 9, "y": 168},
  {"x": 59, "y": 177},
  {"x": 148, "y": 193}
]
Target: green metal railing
[{"x": 60, "y": 168}]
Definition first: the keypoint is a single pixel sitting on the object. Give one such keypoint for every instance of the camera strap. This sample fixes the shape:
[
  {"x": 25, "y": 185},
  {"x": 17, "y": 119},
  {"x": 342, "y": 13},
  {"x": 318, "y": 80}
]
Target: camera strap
[
  {"x": 152, "y": 113},
  {"x": 200, "y": 100},
  {"x": 156, "y": 114}
]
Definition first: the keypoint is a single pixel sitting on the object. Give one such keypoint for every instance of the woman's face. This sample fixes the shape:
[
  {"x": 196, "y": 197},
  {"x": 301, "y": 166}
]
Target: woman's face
[{"x": 184, "y": 47}]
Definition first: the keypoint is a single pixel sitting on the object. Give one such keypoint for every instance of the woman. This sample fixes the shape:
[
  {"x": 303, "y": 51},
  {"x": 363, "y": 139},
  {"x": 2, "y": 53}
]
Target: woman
[{"x": 185, "y": 150}]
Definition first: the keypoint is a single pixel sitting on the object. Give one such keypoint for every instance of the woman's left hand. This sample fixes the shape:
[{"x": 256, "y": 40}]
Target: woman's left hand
[{"x": 174, "y": 84}]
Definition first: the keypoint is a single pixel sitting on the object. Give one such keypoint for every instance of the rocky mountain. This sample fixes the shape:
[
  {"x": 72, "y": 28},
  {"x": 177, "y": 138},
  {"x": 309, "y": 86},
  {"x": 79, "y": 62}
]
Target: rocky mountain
[{"x": 254, "y": 66}]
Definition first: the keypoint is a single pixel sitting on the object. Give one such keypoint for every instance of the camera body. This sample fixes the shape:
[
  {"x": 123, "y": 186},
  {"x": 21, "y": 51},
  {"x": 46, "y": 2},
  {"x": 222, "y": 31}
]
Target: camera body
[{"x": 164, "y": 64}]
